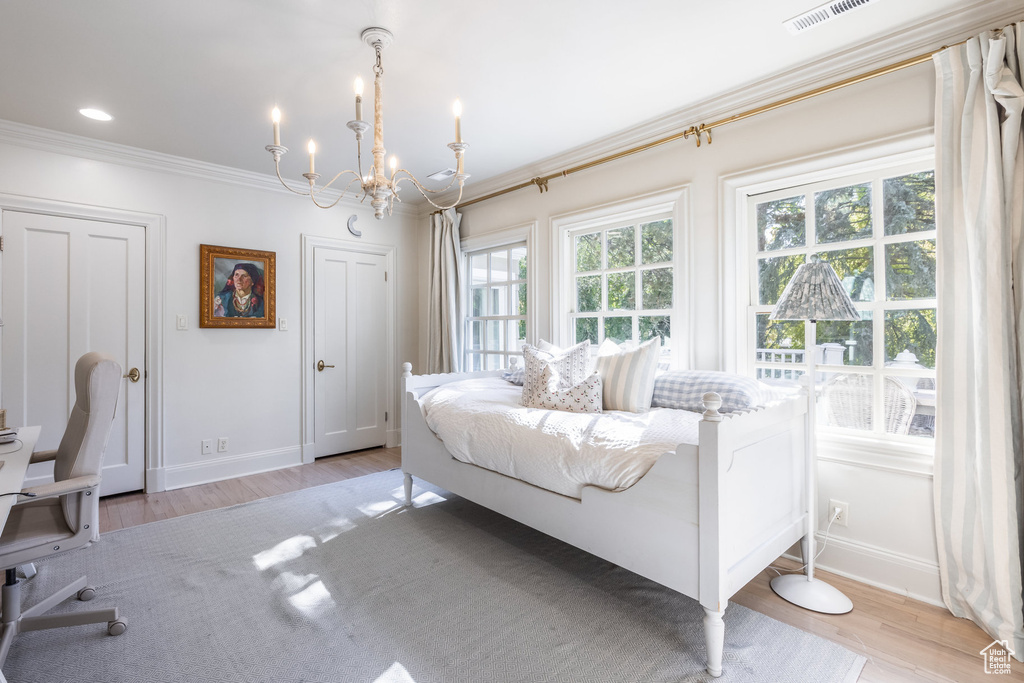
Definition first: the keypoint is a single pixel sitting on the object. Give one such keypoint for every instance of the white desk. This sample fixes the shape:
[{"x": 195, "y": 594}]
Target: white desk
[{"x": 15, "y": 456}]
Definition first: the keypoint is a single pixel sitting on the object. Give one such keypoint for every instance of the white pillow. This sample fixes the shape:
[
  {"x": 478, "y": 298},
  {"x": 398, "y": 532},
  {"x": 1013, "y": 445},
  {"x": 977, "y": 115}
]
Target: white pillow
[
  {"x": 571, "y": 368},
  {"x": 628, "y": 377},
  {"x": 584, "y": 397},
  {"x": 548, "y": 347}
]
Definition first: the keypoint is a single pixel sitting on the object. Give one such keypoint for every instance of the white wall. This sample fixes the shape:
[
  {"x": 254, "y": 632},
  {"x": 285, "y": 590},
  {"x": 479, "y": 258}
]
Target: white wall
[
  {"x": 890, "y": 537},
  {"x": 243, "y": 384}
]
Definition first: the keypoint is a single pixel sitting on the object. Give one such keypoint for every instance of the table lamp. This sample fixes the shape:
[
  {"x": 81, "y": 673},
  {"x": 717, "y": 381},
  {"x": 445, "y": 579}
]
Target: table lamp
[{"x": 815, "y": 293}]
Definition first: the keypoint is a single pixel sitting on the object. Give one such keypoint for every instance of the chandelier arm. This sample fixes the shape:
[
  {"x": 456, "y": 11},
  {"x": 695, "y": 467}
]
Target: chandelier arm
[
  {"x": 331, "y": 182},
  {"x": 420, "y": 187},
  {"x": 423, "y": 191},
  {"x": 277, "y": 167},
  {"x": 340, "y": 196}
]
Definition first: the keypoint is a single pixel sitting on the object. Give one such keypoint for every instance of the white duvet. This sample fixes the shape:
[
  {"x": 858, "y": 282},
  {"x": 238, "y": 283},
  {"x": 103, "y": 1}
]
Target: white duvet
[{"x": 481, "y": 421}]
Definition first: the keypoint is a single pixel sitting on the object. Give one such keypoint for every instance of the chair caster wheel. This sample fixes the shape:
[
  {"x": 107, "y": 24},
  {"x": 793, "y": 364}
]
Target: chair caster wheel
[
  {"x": 116, "y": 627},
  {"x": 87, "y": 593}
]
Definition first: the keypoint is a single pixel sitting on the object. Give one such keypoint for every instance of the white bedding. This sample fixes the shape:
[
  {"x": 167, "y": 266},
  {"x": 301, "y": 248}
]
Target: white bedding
[{"x": 481, "y": 421}]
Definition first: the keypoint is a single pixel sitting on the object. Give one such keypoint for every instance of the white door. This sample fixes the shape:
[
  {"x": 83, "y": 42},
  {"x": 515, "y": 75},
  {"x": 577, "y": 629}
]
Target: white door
[
  {"x": 349, "y": 342},
  {"x": 71, "y": 286}
]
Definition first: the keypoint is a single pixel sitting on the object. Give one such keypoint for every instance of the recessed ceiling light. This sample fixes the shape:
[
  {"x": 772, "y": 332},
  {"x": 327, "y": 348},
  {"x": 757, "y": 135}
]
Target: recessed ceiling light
[{"x": 96, "y": 114}]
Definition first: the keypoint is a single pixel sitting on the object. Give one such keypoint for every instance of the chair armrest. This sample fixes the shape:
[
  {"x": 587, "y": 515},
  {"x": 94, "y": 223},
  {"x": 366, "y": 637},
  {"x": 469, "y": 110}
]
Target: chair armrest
[
  {"x": 43, "y": 456},
  {"x": 60, "y": 488}
]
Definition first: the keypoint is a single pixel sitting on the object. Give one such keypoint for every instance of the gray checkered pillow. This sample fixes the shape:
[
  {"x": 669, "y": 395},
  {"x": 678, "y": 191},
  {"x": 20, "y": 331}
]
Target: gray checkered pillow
[{"x": 684, "y": 389}]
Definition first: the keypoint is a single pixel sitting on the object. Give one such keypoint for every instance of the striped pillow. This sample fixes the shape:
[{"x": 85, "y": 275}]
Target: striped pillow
[{"x": 628, "y": 377}]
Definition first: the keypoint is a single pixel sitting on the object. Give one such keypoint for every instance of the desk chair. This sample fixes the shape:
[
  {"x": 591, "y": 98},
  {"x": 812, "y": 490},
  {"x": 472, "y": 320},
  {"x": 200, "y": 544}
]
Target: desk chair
[{"x": 63, "y": 515}]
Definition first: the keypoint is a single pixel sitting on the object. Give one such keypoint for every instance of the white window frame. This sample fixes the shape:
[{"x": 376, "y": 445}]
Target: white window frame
[
  {"x": 738, "y": 244},
  {"x": 524, "y": 234},
  {"x": 670, "y": 203}
]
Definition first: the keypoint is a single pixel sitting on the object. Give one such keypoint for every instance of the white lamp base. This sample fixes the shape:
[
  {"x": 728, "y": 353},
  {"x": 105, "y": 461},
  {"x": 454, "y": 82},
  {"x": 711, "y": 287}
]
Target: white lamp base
[{"x": 812, "y": 594}]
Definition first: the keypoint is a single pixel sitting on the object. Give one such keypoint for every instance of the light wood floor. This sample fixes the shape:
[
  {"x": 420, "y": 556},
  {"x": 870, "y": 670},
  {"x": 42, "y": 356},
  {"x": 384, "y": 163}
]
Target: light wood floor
[{"x": 903, "y": 639}]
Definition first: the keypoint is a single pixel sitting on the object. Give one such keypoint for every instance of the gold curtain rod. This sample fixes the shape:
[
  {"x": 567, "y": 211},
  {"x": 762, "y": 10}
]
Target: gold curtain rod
[{"x": 705, "y": 129}]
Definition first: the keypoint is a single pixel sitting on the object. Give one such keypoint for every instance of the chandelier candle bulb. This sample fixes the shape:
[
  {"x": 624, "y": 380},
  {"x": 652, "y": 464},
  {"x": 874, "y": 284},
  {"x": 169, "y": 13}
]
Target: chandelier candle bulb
[
  {"x": 312, "y": 154},
  {"x": 275, "y": 116},
  {"x": 359, "y": 98},
  {"x": 457, "y": 110},
  {"x": 394, "y": 164}
]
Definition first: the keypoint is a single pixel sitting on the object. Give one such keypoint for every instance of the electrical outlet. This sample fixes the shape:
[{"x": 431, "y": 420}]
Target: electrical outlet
[
  {"x": 844, "y": 512},
  {"x": 207, "y": 446},
  {"x": 222, "y": 444}
]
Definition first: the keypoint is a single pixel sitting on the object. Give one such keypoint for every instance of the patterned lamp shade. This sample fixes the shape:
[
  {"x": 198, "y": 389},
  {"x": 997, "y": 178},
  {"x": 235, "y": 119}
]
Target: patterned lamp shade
[{"x": 815, "y": 293}]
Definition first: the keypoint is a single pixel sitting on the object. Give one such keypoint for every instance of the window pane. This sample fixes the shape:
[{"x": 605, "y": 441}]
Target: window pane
[
  {"x": 847, "y": 400},
  {"x": 588, "y": 293},
  {"x": 499, "y": 266},
  {"x": 476, "y": 335},
  {"x": 912, "y": 331},
  {"x": 588, "y": 252},
  {"x": 494, "y": 335},
  {"x": 773, "y": 276},
  {"x": 494, "y": 361},
  {"x": 922, "y": 423},
  {"x": 656, "y": 242},
  {"x": 781, "y": 224},
  {"x": 843, "y": 213},
  {"x": 618, "y": 329},
  {"x": 652, "y": 326},
  {"x": 657, "y": 288},
  {"x": 478, "y": 269},
  {"x": 909, "y": 203},
  {"x": 855, "y": 267},
  {"x": 621, "y": 247},
  {"x": 910, "y": 270},
  {"x": 515, "y": 341},
  {"x": 517, "y": 267},
  {"x": 474, "y": 362},
  {"x": 522, "y": 334},
  {"x": 621, "y": 291},
  {"x": 779, "y": 340},
  {"x": 586, "y": 328},
  {"x": 517, "y": 300},
  {"x": 479, "y": 299},
  {"x": 498, "y": 301},
  {"x": 853, "y": 342}
]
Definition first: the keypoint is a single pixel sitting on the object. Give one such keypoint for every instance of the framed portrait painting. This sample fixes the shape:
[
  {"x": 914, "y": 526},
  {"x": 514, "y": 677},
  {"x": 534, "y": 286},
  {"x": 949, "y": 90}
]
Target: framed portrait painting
[{"x": 236, "y": 287}]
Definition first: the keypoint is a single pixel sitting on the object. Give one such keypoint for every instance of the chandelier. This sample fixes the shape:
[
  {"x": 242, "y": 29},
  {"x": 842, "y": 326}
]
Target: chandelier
[{"x": 381, "y": 188}]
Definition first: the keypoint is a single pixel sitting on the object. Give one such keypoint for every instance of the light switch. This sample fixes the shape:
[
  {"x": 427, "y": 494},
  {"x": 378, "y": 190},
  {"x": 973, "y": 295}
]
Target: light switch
[
  {"x": 282, "y": 324},
  {"x": 182, "y": 321}
]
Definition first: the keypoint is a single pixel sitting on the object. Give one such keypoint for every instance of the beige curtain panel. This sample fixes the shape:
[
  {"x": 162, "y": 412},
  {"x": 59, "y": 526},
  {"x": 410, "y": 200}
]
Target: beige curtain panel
[
  {"x": 978, "y": 459},
  {"x": 444, "y": 310}
]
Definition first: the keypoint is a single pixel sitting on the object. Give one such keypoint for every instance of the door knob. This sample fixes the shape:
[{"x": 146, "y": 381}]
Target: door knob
[
  {"x": 320, "y": 366},
  {"x": 133, "y": 375}
]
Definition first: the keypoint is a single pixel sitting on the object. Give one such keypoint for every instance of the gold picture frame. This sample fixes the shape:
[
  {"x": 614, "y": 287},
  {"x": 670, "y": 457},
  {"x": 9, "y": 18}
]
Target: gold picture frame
[{"x": 237, "y": 287}]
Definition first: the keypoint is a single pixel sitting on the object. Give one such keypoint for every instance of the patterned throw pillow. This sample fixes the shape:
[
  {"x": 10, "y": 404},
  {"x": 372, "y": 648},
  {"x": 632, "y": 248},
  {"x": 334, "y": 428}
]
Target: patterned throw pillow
[
  {"x": 515, "y": 376},
  {"x": 569, "y": 366},
  {"x": 628, "y": 377},
  {"x": 684, "y": 389},
  {"x": 584, "y": 397}
]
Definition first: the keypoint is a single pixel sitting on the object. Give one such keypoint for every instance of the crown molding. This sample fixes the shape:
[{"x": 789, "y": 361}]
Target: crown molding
[
  {"x": 47, "y": 140},
  {"x": 947, "y": 29}
]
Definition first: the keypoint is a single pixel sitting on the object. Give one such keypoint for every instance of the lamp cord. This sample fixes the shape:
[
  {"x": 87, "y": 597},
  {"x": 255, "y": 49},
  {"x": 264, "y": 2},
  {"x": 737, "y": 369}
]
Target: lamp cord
[{"x": 780, "y": 571}]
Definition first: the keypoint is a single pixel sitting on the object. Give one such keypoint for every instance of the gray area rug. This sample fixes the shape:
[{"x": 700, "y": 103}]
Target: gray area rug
[{"x": 340, "y": 583}]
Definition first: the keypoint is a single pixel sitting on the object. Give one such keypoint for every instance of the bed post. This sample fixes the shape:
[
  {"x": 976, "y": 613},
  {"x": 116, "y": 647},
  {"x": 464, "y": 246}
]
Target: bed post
[
  {"x": 710, "y": 470},
  {"x": 406, "y": 374}
]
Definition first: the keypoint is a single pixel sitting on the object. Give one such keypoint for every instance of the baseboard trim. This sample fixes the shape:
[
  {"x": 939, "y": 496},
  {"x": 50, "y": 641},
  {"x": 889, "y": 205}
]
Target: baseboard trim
[
  {"x": 156, "y": 480},
  {"x": 892, "y": 571},
  {"x": 192, "y": 474},
  {"x": 394, "y": 438}
]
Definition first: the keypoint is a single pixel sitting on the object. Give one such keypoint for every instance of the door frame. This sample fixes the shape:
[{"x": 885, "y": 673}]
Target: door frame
[
  {"x": 309, "y": 243},
  {"x": 154, "y": 226}
]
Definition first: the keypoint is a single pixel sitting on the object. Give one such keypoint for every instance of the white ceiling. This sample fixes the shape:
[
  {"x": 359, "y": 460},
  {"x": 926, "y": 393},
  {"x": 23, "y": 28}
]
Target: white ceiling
[{"x": 197, "y": 78}]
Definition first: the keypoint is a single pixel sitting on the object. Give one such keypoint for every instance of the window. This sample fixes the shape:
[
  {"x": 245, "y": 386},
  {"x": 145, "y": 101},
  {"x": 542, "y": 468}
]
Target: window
[
  {"x": 877, "y": 230},
  {"x": 623, "y": 282},
  {"x": 496, "y": 306}
]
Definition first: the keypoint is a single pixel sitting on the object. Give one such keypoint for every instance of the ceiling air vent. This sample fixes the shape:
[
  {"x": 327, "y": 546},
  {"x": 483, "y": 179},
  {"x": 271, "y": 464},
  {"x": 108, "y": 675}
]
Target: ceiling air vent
[
  {"x": 827, "y": 12},
  {"x": 443, "y": 174}
]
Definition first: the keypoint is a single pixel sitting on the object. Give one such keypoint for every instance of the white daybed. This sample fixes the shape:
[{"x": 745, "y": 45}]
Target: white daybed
[{"x": 703, "y": 521}]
